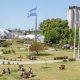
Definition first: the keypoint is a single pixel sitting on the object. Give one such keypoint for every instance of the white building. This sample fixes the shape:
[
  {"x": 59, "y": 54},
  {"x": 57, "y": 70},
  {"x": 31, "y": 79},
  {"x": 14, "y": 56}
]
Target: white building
[
  {"x": 40, "y": 38},
  {"x": 5, "y": 34},
  {"x": 73, "y": 16}
]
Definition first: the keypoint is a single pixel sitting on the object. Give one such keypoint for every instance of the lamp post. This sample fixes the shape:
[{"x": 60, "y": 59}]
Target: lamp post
[
  {"x": 74, "y": 55},
  {"x": 28, "y": 49},
  {"x": 79, "y": 44},
  {"x": 78, "y": 56}
]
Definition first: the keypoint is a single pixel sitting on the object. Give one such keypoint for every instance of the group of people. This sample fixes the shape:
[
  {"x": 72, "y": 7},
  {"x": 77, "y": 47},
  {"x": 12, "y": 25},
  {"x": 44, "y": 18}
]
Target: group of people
[
  {"x": 8, "y": 71},
  {"x": 25, "y": 74}
]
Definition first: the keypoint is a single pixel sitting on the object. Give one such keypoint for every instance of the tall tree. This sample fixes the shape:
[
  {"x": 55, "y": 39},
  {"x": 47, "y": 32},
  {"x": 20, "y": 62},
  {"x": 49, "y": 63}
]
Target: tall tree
[{"x": 54, "y": 30}]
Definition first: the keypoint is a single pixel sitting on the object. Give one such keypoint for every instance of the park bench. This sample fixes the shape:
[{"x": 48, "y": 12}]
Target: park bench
[{"x": 62, "y": 67}]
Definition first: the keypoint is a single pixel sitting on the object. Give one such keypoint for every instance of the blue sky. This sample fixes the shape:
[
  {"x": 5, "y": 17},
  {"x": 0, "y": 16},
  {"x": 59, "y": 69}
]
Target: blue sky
[{"x": 13, "y": 13}]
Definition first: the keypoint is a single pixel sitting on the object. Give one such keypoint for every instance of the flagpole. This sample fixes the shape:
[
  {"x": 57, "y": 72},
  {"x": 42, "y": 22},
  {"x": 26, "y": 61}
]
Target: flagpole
[
  {"x": 33, "y": 13},
  {"x": 36, "y": 27}
]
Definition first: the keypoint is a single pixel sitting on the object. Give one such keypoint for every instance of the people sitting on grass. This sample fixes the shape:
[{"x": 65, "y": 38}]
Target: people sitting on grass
[
  {"x": 21, "y": 68},
  {"x": 3, "y": 71},
  {"x": 28, "y": 74},
  {"x": 9, "y": 71}
]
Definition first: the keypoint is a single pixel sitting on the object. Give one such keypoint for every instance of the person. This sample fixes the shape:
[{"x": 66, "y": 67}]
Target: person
[
  {"x": 9, "y": 71},
  {"x": 30, "y": 73},
  {"x": 20, "y": 67},
  {"x": 30, "y": 69},
  {"x": 3, "y": 71}
]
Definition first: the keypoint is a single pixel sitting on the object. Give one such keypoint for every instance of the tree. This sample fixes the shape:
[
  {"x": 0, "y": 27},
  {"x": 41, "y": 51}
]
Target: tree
[
  {"x": 36, "y": 46},
  {"x": 6, "y": 43},
  {"x": 54, "y": 30},
  {"x": 52, "y": 36}
]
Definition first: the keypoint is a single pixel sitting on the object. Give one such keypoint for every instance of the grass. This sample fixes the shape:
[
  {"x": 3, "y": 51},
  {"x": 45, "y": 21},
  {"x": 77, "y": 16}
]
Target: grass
[
  {"x": 44, "y": 55},
  {"x": 51, "y": 54},
  {"x": 46, "y": 71}
]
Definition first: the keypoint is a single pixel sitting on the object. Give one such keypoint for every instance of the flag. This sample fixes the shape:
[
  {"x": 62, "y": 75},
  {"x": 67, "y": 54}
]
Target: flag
[
  {"x": 34, "y": 9},
  {"x": 32, "y": 12}
]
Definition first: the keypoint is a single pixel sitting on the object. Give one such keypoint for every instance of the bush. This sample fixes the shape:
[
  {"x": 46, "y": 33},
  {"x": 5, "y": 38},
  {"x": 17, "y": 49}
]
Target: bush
[
  {"x": 4, "y": 58},
  {"x": 8, "y": 62},
  {"x": 6, "y": 44},
  {"x": 13, "y": 51},
  {"x": 3, "y": 62},
  {"x": 64, "y": 60},
  {"x": 72, "y": 59},
  {"x": 11, "y": 59},
  {"x": 7, "y": 51},
  {"x": 59, "y": 58},
  {"x": 15, "y": 59},
  {"x": 7, "y": 58}
]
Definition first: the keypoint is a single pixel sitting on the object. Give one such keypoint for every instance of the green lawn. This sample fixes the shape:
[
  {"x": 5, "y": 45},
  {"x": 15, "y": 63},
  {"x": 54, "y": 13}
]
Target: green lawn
[
  {"x": 44, "y": 55},
  {"x": 52, "y": 72}
]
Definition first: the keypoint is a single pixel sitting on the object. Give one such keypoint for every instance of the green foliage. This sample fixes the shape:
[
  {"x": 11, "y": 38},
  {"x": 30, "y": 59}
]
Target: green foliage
[
  {"x": 55, "y": 30},
  {"x": 13, "y": 51},
  {"x": 6, "y": 44},
  {"x": 7, "y": 51}
]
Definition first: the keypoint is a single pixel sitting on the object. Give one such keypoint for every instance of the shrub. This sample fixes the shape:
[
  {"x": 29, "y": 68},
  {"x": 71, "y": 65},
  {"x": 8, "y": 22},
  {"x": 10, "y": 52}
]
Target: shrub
[
  {"x": 3, "y": 62},
  {"x": 8, "y": 62},
  {"x": 64, "y": 60},
  {"x": 72, "y": 59},
  {"x": 4, "y": 58},
  {"x": 13, "y": 51},
  {"x": 59, "y": 58},
  {"x": 11, "y": 59},
  {"x": 7, "y": 58},
  {"x": 7, "y": 51},
  {"x": 15, "y": 59}
]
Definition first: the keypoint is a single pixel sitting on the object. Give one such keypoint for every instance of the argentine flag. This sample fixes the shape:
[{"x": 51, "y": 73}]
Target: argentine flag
[{"x": 32, "y": 12}]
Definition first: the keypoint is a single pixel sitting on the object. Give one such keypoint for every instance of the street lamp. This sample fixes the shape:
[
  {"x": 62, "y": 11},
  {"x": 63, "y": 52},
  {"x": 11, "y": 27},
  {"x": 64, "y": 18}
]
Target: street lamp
[
  {"x": 78, "y": 41},
  {"x": 28, "y": 49}
]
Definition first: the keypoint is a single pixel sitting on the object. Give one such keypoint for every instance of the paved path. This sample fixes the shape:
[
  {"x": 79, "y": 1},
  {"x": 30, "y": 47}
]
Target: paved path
[{"x": 29, "y": 62}]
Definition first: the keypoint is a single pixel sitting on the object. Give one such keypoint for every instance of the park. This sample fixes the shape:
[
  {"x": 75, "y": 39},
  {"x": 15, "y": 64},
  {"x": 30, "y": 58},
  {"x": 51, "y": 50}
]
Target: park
[
  {"x": 37, "y": 42},
  {"x": 41, "y": 70}
]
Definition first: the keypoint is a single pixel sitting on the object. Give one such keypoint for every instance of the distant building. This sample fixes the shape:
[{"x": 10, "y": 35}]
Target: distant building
[
  {"x": 40, "y": 38},
  {"x": 5, "y": 34},
  {"x": 73, "y": 16}
]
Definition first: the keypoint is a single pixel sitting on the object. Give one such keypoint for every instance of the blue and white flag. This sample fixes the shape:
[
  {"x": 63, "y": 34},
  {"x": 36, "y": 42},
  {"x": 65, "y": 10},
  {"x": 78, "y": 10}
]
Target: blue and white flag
[{"x": 32, "y": 12}]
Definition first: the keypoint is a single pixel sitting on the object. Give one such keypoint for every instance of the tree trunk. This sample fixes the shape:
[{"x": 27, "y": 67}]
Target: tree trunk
[{"x": 37, "y": 52}]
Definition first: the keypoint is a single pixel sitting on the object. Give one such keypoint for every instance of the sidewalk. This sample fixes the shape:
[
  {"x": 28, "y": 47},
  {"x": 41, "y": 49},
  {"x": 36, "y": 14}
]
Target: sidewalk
[{"x": 29, "y": 62}]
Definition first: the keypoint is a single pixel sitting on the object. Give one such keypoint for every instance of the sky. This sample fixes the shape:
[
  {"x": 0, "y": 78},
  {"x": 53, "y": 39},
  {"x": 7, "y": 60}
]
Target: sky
[{"x": 13, "y": 13}]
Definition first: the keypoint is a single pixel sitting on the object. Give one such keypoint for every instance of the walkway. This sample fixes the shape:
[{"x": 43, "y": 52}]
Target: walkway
[{"x": 29, "y": 62}]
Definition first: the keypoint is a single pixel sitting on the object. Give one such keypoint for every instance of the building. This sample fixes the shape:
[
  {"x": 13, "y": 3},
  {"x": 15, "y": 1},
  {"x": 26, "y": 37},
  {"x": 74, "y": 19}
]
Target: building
[
  {"x": 73, "y": 16},
  {"x": 40, "y": 38},
  {"x": 5, "y": 34}
]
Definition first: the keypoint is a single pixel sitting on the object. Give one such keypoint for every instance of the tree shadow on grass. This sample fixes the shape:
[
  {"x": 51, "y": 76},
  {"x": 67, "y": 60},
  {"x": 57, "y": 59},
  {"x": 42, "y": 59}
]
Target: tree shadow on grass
[
  {"x": 43, "y": 54},
  {"x": 46, "y": 67}
]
